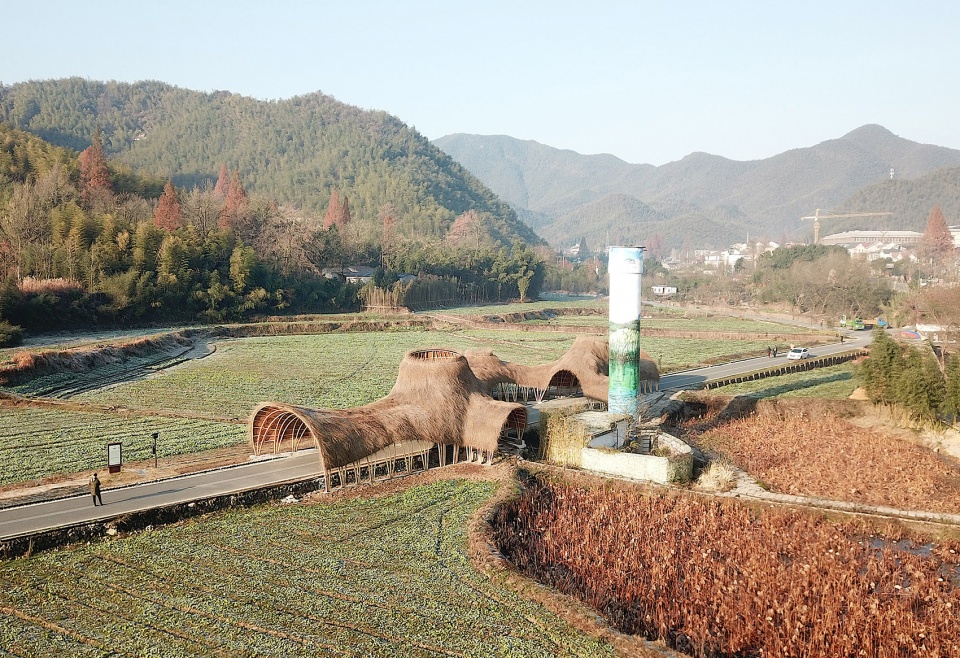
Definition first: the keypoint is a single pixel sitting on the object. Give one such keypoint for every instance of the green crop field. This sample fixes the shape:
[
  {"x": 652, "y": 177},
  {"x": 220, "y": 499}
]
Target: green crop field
[
  {"x": 366, "y": 577},
  {"x": 325, "y": 370},
  {"x": 39, "y": 442},
  {"x": 527, "y": 307},
  {"x": 695, "y": 323},
  {"x": 352, "y": 369},
  {"x": 833, "y": 382}
]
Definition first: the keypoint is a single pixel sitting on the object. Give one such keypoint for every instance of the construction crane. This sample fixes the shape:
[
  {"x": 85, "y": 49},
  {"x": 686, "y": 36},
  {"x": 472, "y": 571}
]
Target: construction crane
[{"x": 816, "y": 217}]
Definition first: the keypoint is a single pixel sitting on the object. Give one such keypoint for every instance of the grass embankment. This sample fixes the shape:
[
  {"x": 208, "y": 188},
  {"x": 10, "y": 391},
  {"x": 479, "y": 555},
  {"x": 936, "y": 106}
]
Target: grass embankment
[
  {"x": 832, "y": 382},
  {"x": 363, "y": 577},
  {"x": 806, "y": 450}
]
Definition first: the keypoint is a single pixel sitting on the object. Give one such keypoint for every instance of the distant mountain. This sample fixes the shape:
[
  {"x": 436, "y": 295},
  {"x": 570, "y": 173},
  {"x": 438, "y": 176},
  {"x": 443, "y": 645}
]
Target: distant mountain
[
  {"x": 295, "y": 151},
  {"x": 699, "y": 200}
]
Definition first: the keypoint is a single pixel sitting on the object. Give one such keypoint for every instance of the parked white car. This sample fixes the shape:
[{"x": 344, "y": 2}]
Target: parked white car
[{"x": 798, "y": 353}]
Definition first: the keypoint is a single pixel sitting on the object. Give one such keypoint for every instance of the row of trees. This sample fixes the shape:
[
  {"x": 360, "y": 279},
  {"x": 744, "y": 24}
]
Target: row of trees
[
  {"x": 816, "y": 279},
  {"x": 911, "y": 380}
]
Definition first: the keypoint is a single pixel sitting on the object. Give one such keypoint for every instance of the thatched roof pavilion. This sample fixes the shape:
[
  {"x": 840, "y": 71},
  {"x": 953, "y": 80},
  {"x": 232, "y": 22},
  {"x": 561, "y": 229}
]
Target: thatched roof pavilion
[
  {"x": 436, "y": 401},
  {"x": 584, "y": 367},
  {"x": 440, "y": 399}
]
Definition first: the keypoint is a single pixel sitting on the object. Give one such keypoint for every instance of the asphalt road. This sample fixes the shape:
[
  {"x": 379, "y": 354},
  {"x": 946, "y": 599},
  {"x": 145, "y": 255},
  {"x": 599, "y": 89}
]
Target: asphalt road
[
  {"x": 16, "y": 521},
  {"x": 62, "y": 512},
  {"x": 688, "y": 379}
]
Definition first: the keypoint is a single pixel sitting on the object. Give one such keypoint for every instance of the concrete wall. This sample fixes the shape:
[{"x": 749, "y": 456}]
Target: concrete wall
[{"x": 677, "y": 467}]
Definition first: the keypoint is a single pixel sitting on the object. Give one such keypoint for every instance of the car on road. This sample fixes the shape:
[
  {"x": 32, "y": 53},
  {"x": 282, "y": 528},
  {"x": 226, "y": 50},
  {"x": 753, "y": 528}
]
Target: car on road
[{"x": 798, "y": 353}]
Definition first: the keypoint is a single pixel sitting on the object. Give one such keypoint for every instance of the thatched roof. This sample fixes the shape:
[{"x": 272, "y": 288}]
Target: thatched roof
[
  {"x": 436, "y": 399},
  {"x": 440, "y": 397},
  {"x": 587, "y": 359}
]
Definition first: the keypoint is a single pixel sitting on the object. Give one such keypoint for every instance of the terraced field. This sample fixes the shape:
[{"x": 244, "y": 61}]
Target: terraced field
[
  {"x": 352, "y": 369},
  {"x": 328, "y": 370},
  {"x": 367, "y": 577}
]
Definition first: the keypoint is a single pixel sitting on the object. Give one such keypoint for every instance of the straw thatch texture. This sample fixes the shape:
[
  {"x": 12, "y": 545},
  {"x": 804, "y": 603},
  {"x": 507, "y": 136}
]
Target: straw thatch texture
[
  {"x": 436, "y": 399},
  {"x": 587, "y": 360}
]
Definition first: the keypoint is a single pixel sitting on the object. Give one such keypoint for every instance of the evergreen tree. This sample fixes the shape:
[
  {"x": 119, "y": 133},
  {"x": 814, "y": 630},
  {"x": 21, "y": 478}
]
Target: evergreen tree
[
  {"x": 880, "y": 371},
  {"x": 168, "y": 215},
  {"x": 951, "y": 397}
]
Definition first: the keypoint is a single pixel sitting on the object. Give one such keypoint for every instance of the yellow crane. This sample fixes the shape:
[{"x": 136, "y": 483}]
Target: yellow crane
[{"x": 816, "y": 217}]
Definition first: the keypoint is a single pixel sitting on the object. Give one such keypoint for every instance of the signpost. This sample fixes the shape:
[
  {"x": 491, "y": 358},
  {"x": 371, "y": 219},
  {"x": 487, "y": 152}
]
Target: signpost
[
  {"x": 155, "y": 436},
  {"x": 114, "y": 457}
]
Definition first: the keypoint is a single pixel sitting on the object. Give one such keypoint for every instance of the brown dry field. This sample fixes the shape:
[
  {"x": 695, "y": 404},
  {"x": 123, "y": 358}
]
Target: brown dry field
[{"x": 841, "y": 451}]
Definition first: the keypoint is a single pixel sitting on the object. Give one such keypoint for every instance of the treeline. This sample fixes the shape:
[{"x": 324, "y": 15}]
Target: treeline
[
  {"x": 297, "y": 151},
  {"x": 911, "y": 380},
  {"x": 453, "y": 277},
  {"x": 81, "y": 245}
]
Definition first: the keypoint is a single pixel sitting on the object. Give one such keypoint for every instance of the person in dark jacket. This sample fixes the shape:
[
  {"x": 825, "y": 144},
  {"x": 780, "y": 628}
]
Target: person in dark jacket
[{"x": 95, "y": 490}]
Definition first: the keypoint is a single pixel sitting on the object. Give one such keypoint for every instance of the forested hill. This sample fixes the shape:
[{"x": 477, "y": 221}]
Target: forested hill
[
  {"x": 295, "y": 151},
  {"x": 699, "y": 200},
  {"x": 910, "y": 201}
]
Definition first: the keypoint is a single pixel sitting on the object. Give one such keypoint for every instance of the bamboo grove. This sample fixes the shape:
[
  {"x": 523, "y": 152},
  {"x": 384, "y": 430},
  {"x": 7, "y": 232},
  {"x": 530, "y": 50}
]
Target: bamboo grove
[
  {"x": 715, "y": 578},
  {"x": 919, "y": 383}
]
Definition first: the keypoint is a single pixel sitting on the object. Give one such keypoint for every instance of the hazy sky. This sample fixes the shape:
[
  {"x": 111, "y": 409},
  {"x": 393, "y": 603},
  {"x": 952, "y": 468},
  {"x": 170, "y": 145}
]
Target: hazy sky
[{"x": 645, "y": 81}]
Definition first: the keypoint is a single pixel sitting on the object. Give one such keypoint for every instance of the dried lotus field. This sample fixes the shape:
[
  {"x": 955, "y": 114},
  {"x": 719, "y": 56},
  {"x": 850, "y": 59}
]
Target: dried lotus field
[
  {"x": 383, "y": 576},
  {"x": 715, "y": 578},
  {"x": 808, "y": 450}
]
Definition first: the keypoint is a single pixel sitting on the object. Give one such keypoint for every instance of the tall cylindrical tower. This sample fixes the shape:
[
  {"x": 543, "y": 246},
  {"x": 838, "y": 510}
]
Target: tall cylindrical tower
[{"x": 625, "y": 267}]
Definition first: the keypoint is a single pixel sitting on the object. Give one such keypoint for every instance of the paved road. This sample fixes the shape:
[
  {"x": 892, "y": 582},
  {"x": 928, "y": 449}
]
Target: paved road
[
  {"x": 688, "y": 379},
  {"x": 62, "y": 512}
]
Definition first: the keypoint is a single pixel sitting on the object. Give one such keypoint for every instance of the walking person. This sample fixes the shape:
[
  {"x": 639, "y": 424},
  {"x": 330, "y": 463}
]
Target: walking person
[
  {"x": 775, "y": 351},
  {"x": 95, "y": 490},
  {"x": 768, "y": 351}
]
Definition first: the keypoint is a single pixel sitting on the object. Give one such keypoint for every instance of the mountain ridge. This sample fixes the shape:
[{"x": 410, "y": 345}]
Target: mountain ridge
[{"x": 719, "y": 197}]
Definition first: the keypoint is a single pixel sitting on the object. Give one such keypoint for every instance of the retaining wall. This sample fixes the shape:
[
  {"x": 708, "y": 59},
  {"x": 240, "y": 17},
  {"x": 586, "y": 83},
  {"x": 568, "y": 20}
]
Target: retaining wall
[{"x": 676, "y": 467}]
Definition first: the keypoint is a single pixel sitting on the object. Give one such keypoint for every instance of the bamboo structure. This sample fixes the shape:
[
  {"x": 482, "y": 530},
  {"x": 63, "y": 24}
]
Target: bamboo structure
[
  {"x": 436, "y": 402},
  {"x": 460, "y": 406}
]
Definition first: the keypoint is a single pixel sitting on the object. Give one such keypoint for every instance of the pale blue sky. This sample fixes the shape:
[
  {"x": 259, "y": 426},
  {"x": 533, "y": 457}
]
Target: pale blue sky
[{"x": 645, "y": 81}]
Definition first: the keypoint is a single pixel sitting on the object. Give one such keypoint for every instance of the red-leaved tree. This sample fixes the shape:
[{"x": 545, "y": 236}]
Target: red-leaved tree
[
  {"x": 95, "y": 181},
  {"x": 235, "y": 207},
  {"x": 223, "y": 183},
  {"x": 168, "y": 214},
  {"x": 937, "y": 241},
  {"x": 338, "y": 211}
]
